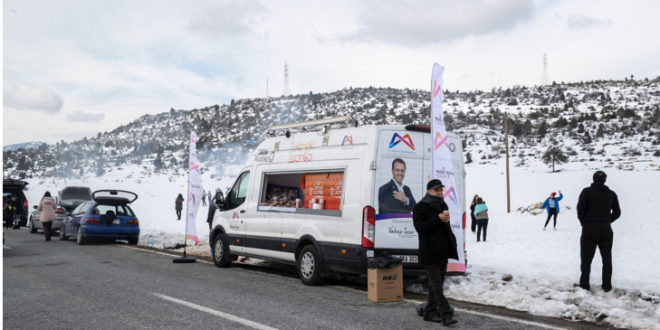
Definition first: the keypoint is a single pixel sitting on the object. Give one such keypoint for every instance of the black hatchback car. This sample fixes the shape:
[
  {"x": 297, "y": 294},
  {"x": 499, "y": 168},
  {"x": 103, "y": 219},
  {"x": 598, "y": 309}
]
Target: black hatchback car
[{"x": 9, "y": 187}]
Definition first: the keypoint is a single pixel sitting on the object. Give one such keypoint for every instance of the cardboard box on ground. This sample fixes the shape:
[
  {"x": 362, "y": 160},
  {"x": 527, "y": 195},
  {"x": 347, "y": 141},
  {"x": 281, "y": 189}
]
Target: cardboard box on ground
[{"x": 385, "y": 284}]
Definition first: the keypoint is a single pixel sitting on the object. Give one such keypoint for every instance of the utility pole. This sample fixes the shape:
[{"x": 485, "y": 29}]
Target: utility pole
[{"x": 506, "y": 143}]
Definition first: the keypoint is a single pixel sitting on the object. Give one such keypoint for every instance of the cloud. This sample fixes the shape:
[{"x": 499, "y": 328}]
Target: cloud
[
  {"x": 577, "y": 21},
  {"x": 229, "y": 20},
  {"x": 85, "y": 117},
  {"x": 33, "y": 96},
  {"x": 417, "y": 23}
]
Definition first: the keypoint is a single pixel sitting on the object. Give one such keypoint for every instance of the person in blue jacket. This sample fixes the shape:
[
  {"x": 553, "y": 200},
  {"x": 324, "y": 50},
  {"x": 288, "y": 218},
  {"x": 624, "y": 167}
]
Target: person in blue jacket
[{"x": 551, "y": 205}]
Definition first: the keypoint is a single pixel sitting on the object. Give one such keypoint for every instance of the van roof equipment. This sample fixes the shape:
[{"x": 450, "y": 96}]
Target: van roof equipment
[{"x": 307, "y": 125}]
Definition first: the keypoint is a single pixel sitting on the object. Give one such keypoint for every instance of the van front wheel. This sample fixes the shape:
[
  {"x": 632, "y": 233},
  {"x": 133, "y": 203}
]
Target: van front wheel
[
  {"x": 221, "y": 256},
  {"x": 309, "y": 266}
]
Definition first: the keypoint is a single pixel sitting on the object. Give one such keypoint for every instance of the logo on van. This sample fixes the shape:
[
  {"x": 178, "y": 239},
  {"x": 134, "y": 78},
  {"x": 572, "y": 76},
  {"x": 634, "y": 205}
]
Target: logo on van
[
  {"x": 347, "y": 139},
  {"x": 451, "y": 193},
  {"x": 396, "y": 139},
  {"x": 438, "y": 141}
]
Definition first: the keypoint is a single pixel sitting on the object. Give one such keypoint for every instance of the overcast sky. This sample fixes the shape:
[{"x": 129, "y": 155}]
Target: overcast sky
[{"x": 72, "y": 68}]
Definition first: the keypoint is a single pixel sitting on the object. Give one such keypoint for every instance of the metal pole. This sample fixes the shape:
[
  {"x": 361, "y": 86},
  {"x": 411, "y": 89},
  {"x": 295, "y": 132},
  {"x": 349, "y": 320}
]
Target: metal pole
[{"x": 506, "y": 142}]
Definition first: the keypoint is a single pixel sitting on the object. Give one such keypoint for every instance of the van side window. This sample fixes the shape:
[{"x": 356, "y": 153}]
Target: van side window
[
  {"x": 238, "y": 192},
  {"x": 309, "y": 192}
]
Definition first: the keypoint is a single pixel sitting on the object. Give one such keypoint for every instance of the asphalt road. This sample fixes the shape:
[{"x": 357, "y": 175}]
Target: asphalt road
[{"x": 61, "y": 285}]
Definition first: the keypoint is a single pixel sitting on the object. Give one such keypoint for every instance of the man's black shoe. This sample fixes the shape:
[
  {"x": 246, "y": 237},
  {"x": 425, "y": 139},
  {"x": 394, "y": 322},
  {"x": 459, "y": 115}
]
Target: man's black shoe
[
  {"x": 576, "y": 285},
  {"x": 420, "y": 309},
  {"x": 607, "y": 288},
  {"x": 434, "y": 318},
  {"x": 448, "y": 320}
]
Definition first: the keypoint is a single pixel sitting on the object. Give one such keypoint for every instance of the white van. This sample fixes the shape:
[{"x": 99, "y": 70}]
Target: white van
[{"x": 326, "y": 199}]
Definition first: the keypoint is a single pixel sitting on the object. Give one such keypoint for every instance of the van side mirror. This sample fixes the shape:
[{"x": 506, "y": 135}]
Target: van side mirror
[{"x": 219, "y": 200}]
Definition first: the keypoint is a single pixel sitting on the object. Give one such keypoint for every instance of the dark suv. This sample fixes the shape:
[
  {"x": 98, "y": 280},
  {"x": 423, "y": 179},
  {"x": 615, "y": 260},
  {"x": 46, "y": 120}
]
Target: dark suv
[{"x": 9, "y": 187}]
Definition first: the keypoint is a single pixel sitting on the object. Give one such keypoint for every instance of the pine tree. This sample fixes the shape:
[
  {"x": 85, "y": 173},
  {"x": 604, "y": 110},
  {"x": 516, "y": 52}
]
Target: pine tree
[{"x": 554, "y": 155}]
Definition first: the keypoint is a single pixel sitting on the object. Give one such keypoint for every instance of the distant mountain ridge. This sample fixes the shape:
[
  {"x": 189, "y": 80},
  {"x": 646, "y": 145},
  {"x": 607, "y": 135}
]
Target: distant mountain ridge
[
  {"x": 25, "y": 145},
  {"x": 611, "y": 121}
]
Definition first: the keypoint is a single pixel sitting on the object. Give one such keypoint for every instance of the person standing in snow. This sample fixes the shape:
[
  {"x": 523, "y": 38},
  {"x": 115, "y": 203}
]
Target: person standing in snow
[
  {"x": 437, "y": 244},
  {"x": 47, "y": 215},
  {"x": 597, "y": 208},
  {"x": 481, "y": 214},
  {"x": 178, "y": 206},
  {"x": 473, "y": 224},
  {"x": 204, "y": 198},
  {"x": 551, "y": 205}
]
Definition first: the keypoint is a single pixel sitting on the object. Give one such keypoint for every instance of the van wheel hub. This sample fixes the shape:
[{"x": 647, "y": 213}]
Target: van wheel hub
[
  {"x": 218, "y": 249},
  {"x": 307, "y": 265}
]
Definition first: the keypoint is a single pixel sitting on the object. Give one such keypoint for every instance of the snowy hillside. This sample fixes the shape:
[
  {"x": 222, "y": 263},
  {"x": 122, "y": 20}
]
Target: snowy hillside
[{"x": 617, "y": 122}]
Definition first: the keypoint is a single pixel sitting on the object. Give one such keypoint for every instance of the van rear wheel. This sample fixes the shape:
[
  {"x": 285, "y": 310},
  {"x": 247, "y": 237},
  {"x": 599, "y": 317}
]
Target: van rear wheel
[
  {"x": 309, "y": 266},
  {"x": 221, "y": 256}
]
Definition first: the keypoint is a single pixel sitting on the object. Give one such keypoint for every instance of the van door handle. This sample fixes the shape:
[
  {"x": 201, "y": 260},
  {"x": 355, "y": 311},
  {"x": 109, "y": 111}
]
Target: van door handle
[{"x": 242, "y": 211}]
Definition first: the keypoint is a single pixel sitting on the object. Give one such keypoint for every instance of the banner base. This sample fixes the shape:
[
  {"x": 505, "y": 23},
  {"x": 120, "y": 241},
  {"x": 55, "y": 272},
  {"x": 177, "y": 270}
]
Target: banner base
[{"x": 184, "y": 260}]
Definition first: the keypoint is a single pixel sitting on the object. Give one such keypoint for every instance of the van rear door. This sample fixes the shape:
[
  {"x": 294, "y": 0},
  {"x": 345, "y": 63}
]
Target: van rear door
[{"x": 395, "y": 191}]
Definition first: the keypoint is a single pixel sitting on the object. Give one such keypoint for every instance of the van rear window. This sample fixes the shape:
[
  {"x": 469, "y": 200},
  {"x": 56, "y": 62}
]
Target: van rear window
[{"x": 303, "y": 192}]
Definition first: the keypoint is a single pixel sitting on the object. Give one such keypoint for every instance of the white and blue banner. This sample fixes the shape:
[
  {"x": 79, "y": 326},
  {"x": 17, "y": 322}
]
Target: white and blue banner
[{"x": 442, "y": 167}]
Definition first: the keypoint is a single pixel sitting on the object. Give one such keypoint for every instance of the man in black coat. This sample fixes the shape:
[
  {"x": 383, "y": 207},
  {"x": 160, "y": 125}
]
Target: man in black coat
[
  {"x": 437, "y": 244},
  {"x": 394, "y": 197},
  {"x": 597, "y": 208}
]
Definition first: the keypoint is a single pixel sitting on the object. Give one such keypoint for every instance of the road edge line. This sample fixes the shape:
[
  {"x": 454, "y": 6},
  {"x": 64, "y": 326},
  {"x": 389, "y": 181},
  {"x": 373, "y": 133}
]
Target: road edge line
[{"x": 214, "y": 312}]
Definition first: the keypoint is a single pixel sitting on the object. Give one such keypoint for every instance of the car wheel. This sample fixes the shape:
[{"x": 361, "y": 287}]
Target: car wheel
[
  {"x": 309, "y": 266},
  {"x": 62, "y": 234},
  {"x": 80, "y": 239},
  {"x": 32, "y": 228},
  {"x": 133, "y": 240},
  {"x": 221, "y": 256}
]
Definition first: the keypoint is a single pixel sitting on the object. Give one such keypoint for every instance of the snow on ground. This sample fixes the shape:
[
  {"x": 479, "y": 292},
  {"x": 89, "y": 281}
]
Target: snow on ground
[{"x": 542, "y": 265}]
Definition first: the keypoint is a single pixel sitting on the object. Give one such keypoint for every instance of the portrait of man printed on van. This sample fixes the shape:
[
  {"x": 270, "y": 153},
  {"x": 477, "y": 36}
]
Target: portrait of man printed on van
[{"x": 394, "y": 196}]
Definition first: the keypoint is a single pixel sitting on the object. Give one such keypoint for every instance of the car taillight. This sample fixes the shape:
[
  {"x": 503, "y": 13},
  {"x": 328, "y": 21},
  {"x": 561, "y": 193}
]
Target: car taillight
[
  {"x": 133, "y": 222},
  {"x": 368, "y": 226},
  {"x": 92, "y": 220},
  {"x": 59, "y": 210},
  {"x": 25, "y": 205}
]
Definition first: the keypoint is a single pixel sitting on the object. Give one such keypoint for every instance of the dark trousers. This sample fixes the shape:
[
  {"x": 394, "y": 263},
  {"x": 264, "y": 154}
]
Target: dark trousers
[
  {"x": 482, "y": 224},
  {"x": 473, "y": 224},
  {"x": 553, "y": 211},
  {"x": 436, "y": 303},
  {"x": 596, "y": 235},
  {"x": 178, "y": 214},
  {"x": 47, "y": 229}
]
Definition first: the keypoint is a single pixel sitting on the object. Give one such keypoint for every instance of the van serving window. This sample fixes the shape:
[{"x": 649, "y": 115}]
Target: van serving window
[{"x": 303, "y": 192}]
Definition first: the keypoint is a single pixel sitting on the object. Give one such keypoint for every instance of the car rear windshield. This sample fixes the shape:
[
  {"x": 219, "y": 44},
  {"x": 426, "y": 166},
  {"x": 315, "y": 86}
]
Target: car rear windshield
[
  {"x": 77, "y": 193},
  {"x": 118, "y": 210}
]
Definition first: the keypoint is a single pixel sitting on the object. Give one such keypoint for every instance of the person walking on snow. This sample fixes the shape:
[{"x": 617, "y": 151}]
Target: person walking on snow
[
  {"x": 203, "y": 198},
  {"x": 597, "y": 208},
  {"x": 437, "y": 244},
  {"x": 481, "y": 214},
  {"x": 551, "y": 205},
  {"x": 178, "y": 206},
  {"x": 47, "y": 215},
  {"x": 473, "y": 224}
]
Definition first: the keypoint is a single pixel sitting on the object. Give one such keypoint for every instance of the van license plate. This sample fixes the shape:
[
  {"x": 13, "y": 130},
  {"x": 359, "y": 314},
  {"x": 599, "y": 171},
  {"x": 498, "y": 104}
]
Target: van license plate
[{"x": 406, "y": 259}]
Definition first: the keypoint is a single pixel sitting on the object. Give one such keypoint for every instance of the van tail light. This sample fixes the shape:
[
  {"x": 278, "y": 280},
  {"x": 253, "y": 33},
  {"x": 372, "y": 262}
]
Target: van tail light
[
  {"x": 463, "y": 220},
  {"x": 60, "y": 210},
  {"x": 92, "y": 220},
  {"x": 368, "y": 226},
  {"x": 133, "y": 222},
  {"x": 25, "y": 205}
]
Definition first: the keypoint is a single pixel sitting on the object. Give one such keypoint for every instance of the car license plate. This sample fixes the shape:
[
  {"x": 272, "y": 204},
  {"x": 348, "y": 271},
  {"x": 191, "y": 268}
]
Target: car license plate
[
  {"x": 406, "y": 259},
  {"x": 115, "y": 222}
]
